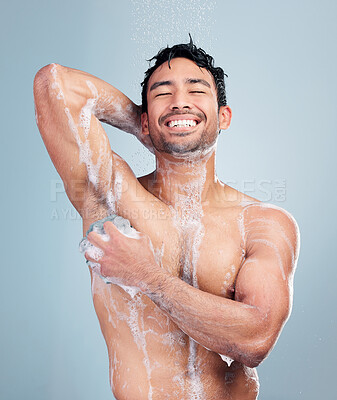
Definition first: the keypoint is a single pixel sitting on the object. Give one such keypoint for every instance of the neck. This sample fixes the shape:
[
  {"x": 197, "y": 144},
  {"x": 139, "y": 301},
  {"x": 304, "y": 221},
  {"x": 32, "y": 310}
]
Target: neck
[{"x": 178, "y": 178}]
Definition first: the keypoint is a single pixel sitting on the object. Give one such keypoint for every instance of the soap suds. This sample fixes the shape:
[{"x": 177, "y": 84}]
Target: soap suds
[{"x": 123, "y": 225}]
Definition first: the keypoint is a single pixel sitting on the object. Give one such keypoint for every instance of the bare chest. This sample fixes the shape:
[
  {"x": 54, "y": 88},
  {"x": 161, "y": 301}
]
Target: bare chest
[
  {"x": 207, "y": 253},
  {"x": 205, "y": 250}
]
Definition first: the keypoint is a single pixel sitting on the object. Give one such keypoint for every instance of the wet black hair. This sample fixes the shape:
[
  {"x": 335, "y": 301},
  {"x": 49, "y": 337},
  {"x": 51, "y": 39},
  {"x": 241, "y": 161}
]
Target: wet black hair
[{"x": 191, "y": 52}]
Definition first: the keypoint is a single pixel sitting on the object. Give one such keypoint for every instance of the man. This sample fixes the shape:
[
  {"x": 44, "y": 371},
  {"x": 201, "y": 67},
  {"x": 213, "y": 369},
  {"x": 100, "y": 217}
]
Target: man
[{"x": 214, "y": 267}]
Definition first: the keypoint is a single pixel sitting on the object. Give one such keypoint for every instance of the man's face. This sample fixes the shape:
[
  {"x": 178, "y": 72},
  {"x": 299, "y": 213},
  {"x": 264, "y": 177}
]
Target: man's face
[{"x": 182, "y": 112}]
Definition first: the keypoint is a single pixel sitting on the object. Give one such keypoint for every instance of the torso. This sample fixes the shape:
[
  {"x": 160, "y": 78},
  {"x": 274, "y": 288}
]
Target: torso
[{"x": 150, "y": 357}]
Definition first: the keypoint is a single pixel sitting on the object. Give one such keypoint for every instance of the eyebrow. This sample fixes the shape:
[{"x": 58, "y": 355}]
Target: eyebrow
[
  {"x": 202, "y": 81},
  {"x": 160, "y": 83},
  {"x": 188, "y": 80}
]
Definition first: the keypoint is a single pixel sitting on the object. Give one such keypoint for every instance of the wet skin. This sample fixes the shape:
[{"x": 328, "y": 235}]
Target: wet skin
[
  {"x": 137, "y": 330},
  {"x": 222, "y": 267}
]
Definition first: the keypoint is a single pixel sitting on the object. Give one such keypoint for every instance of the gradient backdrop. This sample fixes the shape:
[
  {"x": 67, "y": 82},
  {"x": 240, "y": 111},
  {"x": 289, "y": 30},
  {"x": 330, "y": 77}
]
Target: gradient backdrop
[{"x": 281, "y": 60}]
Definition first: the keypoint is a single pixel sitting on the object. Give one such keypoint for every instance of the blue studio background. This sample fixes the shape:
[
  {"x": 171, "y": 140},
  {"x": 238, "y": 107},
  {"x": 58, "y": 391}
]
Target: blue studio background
[{"x": 282, "y": 85}]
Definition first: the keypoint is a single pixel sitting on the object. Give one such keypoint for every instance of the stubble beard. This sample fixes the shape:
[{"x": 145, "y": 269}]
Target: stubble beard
[{"x": 187, "y": 149}]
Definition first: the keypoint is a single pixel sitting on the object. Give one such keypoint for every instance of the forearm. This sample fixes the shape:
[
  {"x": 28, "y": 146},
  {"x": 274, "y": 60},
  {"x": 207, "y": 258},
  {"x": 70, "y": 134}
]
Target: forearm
[
  {"x": 81, "y": 92},
  {"x": 108, "y": 103},
  {"x": 222, "y": 325}
]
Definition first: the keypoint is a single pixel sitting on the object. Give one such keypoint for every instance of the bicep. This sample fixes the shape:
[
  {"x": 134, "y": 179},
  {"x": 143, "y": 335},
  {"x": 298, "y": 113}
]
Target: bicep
[{"x": 265, "y": 280}]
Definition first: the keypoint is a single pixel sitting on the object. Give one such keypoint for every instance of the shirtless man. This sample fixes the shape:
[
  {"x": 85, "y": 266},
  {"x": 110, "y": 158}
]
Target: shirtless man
[{"x": 213, "y": 267}]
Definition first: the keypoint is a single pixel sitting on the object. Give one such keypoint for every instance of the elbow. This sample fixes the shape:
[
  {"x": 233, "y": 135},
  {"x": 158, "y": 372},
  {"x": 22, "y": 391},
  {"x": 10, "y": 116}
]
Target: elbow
[
  {"x": 254, "y": 360},
  {"x": 44, "y": 90},
  {"x": 41, "y": 85},
  {"x": 256, "y": 348},
  {"x": 41, "y": 92},
  {"x": 253, "y": 354},
  {"x": 44, "y": 79},
  {"x": 249, "y": 358}
]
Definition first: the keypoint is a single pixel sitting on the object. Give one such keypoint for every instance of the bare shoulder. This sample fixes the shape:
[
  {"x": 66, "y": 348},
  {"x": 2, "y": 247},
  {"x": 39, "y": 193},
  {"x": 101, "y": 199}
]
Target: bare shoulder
[
  {"x": 263, "y": 223},
  {"x": 251, "y": 207},
  {"x": 267, "y": 213},
  {"x": 269, "y": 226}
]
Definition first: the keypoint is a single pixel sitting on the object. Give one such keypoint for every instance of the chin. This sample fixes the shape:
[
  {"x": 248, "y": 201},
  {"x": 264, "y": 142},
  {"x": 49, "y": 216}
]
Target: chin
[{"x": 196, "y": 153}]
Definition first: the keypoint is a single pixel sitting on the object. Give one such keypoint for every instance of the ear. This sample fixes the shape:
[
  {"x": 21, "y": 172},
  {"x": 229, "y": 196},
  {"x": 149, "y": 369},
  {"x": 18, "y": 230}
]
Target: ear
[
  {"x": 145, "y": 123},
  {"x": 225, "y": 117}
]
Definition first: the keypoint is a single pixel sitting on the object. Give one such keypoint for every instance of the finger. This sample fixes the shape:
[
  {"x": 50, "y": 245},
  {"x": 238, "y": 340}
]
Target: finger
[
  {"x": 121, "y": 232},
  {"x": 96, "y": 239},
  {"x": 111, "y": 229},
  {"x": 94, "y": 253},
  {"x": 95, "y": 266},
  {"x": 88, "y": 257}
]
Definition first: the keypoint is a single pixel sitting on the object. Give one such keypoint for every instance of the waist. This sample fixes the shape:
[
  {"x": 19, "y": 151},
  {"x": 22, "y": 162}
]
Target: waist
[{"x": 191, "y": 372}]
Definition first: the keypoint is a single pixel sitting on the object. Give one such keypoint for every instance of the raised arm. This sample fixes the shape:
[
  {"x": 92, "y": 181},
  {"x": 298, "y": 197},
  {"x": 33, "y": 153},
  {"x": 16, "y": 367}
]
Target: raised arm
[{"x": 69, "y": 105}]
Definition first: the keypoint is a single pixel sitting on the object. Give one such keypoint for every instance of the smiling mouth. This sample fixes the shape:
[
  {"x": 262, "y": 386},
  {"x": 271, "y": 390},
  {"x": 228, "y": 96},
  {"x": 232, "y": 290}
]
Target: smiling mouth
[
  {"x": 182, "y": 123},
  {"x": 182, "y": 127}
]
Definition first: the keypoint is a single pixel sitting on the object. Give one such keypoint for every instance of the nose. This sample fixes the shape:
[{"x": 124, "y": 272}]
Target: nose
[{"x": 179, "y": 101}]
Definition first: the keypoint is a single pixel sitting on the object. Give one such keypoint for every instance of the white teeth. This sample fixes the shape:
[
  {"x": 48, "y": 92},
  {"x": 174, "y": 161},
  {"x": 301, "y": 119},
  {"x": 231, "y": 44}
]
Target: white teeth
[{"x": 182, "y": 123}]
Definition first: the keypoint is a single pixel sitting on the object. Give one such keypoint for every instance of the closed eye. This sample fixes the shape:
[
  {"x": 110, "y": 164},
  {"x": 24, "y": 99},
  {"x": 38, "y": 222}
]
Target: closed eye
[
  {"x": 197, "y": 91},
  {"x": 162, "y": 94}
]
